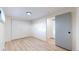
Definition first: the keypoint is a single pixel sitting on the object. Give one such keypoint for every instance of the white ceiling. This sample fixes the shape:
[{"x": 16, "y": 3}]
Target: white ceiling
[{"x": 37, "y": 12}]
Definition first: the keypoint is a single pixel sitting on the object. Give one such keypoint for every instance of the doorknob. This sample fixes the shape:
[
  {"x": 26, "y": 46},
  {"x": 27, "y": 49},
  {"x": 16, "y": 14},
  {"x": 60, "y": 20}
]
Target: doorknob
[{"x": 69, "y": 32}]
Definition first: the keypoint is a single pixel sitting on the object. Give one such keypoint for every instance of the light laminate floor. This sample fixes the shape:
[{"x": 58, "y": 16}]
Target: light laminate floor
[{"x": 31, "y": 44}]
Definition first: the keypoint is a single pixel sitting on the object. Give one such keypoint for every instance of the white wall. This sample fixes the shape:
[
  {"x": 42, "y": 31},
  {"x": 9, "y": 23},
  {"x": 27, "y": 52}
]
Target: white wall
[
  {"x": 16, "y": 28},
  {"x": 50, "y": 27},
  {"x": 73, "y": 29},
  {"x": 8, "y": 28},
  {"x": 76, "y": 29},
  {"x": 2, "y": 39},
  {"x": 20, "y": 29},
  {"x": 39, "y": 28},
  {"x": 53, "y": 24}
]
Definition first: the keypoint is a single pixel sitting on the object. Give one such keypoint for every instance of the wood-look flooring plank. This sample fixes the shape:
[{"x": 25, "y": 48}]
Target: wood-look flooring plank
[{"x": 31, "y": 44}]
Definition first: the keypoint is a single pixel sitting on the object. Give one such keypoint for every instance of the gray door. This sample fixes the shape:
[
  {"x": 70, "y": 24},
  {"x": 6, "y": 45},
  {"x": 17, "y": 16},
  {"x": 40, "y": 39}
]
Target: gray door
[{"x": 63, "y": 30}]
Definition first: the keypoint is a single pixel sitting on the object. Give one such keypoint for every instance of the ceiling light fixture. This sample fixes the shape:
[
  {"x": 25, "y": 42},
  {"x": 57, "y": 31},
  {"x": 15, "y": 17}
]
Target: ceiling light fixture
[{"x": 29, "y": 13}]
